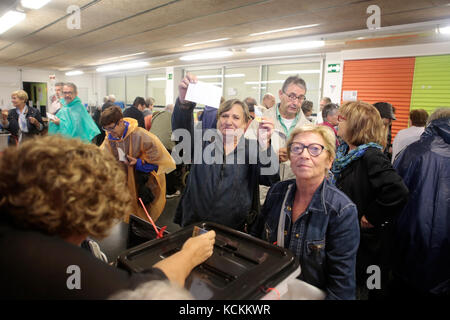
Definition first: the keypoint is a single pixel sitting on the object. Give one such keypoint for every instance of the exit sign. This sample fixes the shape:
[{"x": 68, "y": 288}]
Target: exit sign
[{"x": 334, "y": 68}]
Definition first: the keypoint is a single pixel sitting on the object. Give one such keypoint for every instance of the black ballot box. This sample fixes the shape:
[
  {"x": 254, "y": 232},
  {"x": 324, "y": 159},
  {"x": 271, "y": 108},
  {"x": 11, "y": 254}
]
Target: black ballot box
[{"x": 241, "y": 267}]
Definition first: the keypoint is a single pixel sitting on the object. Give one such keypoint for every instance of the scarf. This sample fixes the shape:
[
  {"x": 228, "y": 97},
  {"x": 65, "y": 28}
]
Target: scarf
[{"x": 343, "y": 159}]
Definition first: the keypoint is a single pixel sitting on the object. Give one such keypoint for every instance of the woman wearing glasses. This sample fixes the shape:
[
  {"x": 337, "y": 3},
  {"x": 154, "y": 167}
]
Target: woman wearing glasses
[
  {"x": 365, "y": 174},
  {"x": 311, "y": 217}
]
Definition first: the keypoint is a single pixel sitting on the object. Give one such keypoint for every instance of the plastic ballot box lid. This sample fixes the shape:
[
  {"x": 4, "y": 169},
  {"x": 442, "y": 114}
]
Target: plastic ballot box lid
[{"x": 241, "y": 267}]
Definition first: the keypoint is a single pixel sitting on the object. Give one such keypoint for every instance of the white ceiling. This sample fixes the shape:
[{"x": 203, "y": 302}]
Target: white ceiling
[{"x": 161, "y": 28}]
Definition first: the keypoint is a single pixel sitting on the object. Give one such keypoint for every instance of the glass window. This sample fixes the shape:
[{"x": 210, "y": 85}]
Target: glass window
[
  {"x": 273, "y": 77},
  {"x": 135, "y": 87},
  {"x": 116, "y": 86},
  {"x": 156, "y": 88},
  {"x": 240, "y": 83}
]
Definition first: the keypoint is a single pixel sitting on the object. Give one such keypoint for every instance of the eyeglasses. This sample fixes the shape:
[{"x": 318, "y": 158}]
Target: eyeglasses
[
  {"x": 314, "y": 149},
  {"x": 111, "y": 129},
  {"x": 68, "y": 92},
  {"x": 293, "y": 97},
  {"x": 341, "y": 118}
]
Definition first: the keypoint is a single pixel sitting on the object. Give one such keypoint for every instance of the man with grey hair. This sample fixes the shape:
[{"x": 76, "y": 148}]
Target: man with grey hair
[
  {"x": 287, "y": 116},
  {"x": 421, "y": 246},
  {"x": 56, "y": 104},
  {"x": 73, "y": 120}
]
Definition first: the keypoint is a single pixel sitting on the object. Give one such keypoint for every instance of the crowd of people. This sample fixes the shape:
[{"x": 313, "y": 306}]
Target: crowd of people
[{"x": 334, "y": 189}]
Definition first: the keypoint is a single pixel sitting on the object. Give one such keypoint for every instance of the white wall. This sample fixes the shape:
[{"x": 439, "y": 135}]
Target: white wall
[{"x": 332, "y": 82}]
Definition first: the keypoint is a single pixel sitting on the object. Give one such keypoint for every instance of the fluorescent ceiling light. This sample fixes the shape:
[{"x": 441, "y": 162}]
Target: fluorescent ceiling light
[
  {"x": 207, "y": 55},
  {"x": 233, "y": 75},
  {"x": 285, "y": 29},
  {"x": 287, "y": 47},
  {"x": 34, "y": 4},
  {"x": 74, "y": 73},
  {"x": 123, "y": 66},
  {"x": 125, "y": 56},
  {"x": 262, "y": 88},
  {"x": 156, "y": 79},
  {"x": 444, "y": 30},
  {"x": 10, "y": 19},
  {"x": 299, "y": 71},
  {"x": 264, "y": 82},
  {"x": 208, "y": 41}
]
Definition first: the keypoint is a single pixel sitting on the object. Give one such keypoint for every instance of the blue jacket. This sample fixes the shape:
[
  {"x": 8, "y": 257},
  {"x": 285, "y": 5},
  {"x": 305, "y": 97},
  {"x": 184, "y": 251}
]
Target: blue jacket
[
  {"x": 423, "y": 228},
  {"x": 329, "y": 240}
]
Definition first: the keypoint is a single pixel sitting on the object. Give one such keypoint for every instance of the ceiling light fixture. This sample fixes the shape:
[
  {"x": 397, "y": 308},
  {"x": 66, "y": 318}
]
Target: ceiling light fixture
[
  {"x": 285, "y": 29},
  {"x": 444, "y": 30},
  {"x": 123, "y": 66},
  {"x": 74, "y": 73},
  {"x": 10, "y": 19},
  {"x": 156, "y": 79},
  {"x": 207, "y": 55},
  {"x": 34, "y": 4},
  {"x": 264, "y": 82},
  {"x": 299, "y": 72},
  {"x": 233, "y": 75},
  {"x": 287, "y": 46},
  {"x": 208, "y": 41}
]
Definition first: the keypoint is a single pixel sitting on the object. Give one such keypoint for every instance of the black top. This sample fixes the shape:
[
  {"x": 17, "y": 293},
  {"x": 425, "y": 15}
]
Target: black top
[
  {"x": 37, "y": 266},
  {"x": 374, "y": 186},
  {"x": 13, "y": 119},
  {"x": 135, "y": 113}
]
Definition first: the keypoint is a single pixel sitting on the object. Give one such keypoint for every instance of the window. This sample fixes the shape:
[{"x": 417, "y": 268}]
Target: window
[
  {"x": 135, "y": 87},
  {"x": 116, "y": 86},
  {"x": 156, "y": 88},
  {"x": 273, "y": 77},
  {"x": 240, "y": 83}
]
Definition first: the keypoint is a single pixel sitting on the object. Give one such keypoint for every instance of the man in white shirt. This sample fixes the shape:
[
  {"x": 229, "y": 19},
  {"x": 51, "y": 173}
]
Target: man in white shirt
[
  {"x": 287, "y": 116},
  {"x": 418, "y": 119}
]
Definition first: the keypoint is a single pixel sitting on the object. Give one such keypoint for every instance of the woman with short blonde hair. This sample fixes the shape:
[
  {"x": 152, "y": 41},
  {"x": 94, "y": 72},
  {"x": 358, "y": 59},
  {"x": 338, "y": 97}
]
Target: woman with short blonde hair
[
  {"x": 23, "y": 122},
  {"x": 311, "y": 217}
]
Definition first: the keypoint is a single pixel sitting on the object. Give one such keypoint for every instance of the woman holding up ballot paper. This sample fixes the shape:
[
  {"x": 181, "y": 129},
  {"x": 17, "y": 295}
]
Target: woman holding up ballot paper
[{"x": 226, "y": 169}]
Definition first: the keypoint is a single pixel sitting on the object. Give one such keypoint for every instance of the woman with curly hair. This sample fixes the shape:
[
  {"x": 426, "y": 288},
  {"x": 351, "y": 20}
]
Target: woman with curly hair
[{"x": 54, "y": 193}]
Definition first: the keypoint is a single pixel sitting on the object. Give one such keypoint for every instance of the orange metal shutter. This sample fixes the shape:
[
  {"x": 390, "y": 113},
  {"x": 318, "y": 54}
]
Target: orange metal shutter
[{"x": 387, "y": 80}]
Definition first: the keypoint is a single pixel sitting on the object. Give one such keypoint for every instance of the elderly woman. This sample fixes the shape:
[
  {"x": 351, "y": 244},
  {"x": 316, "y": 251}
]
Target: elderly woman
[
  {"x": 23, "y": 122},
  {"x": 53, "y": 194},
  {"x": 223, "y": 183},
  {"x": 311, "y": 217},
  {"x": 365, "y": 174}
]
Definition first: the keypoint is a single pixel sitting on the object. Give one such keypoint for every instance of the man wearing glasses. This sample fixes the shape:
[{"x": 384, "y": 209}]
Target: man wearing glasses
[
  {"x": 286, "y": 115},
  {"x": 73, "y": 120}
]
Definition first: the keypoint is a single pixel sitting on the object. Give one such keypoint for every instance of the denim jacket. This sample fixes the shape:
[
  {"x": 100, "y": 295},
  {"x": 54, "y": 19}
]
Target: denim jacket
[{"x": 325, "y": 238}]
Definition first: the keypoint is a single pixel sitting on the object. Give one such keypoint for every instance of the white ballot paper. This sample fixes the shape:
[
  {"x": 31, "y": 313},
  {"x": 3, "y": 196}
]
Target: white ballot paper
[
  {"x": 122, "y": 156},
  {"x": 51, "y": 116},
  {"x": 204, "y": 93}
]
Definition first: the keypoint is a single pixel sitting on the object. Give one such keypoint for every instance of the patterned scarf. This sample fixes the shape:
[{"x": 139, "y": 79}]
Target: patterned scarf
[{"x": 343, "y": 159}]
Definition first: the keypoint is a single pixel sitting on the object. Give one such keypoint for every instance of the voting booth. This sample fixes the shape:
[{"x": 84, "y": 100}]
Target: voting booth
[{"x": 241, "y": 267}]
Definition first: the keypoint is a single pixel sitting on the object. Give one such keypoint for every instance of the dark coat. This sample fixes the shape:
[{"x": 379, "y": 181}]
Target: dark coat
[
  {"x": 422, "y": 231},
  {"x": 13, "y": 119},
  {"x": 374, "y": 186},
  {"x": 135, "y": 113}
]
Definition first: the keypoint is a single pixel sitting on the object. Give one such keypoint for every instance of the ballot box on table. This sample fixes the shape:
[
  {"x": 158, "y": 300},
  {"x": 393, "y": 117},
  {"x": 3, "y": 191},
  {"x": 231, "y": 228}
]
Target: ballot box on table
[{"x": 241, "y": 267}]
